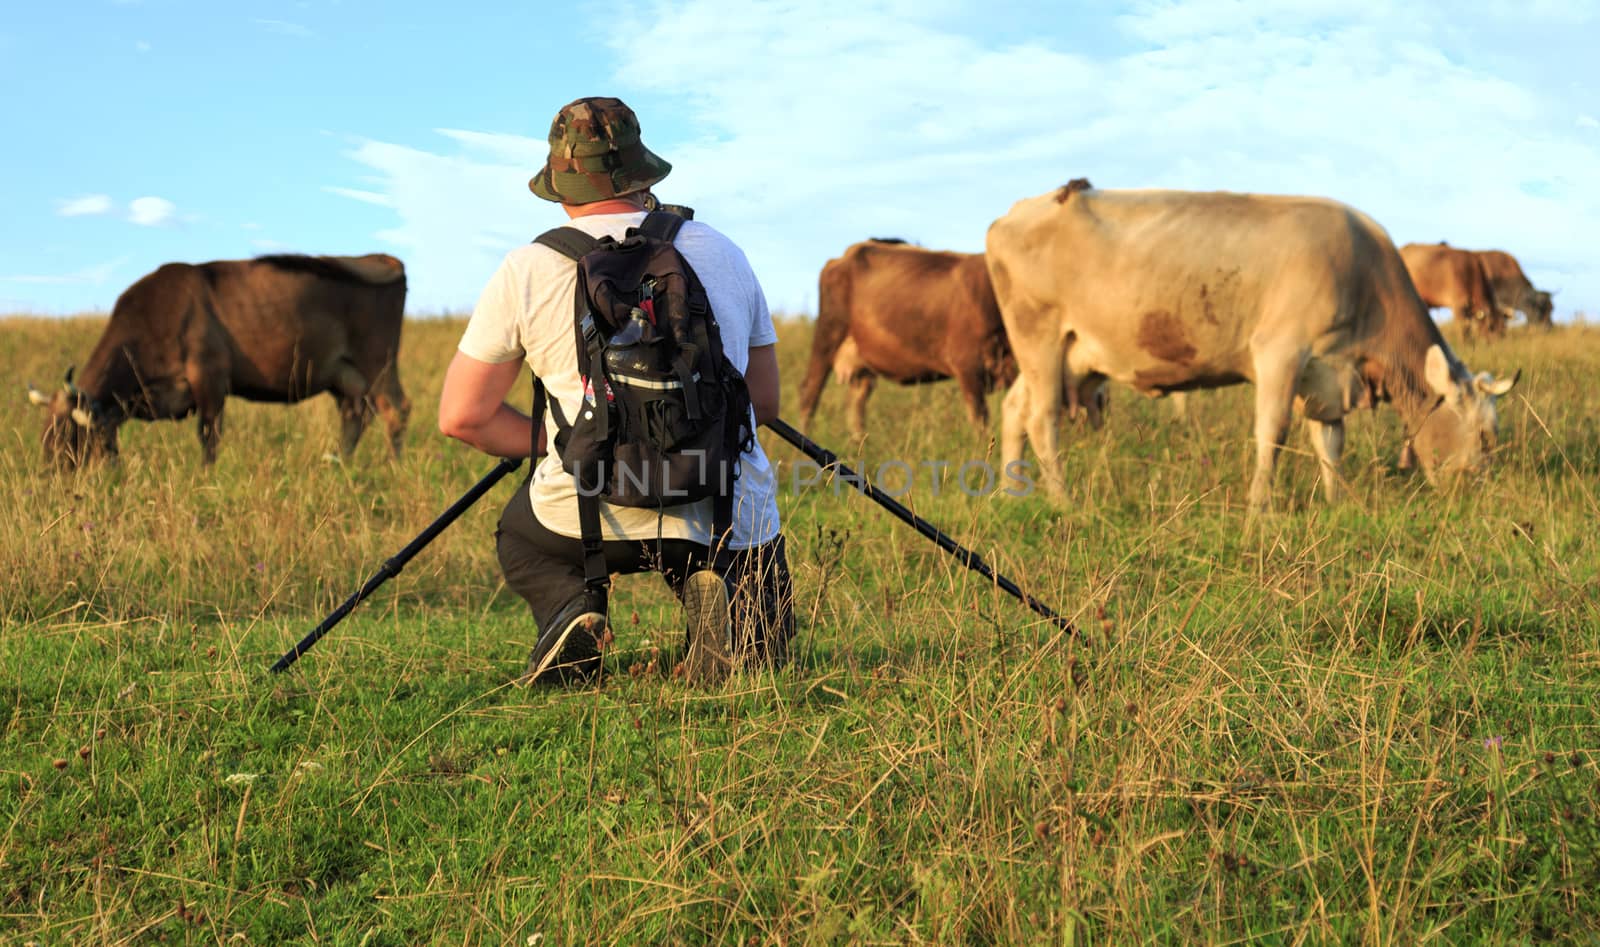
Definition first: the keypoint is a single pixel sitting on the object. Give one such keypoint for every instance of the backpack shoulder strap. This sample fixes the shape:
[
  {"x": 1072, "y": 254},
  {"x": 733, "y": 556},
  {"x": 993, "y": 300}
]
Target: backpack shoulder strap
[
  {"x": 570, "y": 242},
  {"x": 574, "y": 244},
  {"x": 537, "y": 414},
  {"x": 661, "y": 224}
]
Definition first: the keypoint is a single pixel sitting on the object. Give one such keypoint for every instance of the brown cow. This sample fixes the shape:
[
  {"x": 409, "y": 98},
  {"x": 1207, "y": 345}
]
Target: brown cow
[
  {"x": 1450, "y": 278},
  {"x": 911, "y": 315},
  {"x": 276, "y": 328},
  {"x": 1512, "y": 289},
  {"x": 1172, "y": 290}
]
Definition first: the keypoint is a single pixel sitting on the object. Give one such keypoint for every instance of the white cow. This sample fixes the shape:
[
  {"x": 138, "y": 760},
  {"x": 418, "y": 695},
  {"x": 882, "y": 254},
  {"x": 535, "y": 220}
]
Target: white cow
[{"x": 1168, "y": 291}]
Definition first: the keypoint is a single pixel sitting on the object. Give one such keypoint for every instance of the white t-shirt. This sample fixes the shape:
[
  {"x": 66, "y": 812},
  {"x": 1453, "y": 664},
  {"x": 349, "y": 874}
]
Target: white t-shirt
[{"x": 526, "y": 312}]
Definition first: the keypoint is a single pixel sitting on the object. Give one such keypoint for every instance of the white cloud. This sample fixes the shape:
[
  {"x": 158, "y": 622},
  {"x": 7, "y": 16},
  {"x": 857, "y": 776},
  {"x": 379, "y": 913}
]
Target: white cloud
[
  {"x": 1167, "y": 21},
  {"x": 284, "y": 28},
  {"x": 366, "y": 197},
  {"x": 95, "y": 275},
  {"x": 820, "y": 124},
  {"x": 142, "y": 46},
  {"x": 151, "y": 211},
  {"x": 87, "y": 205},
  {"x": 1588, "y": 121},
  {"x": 1555, "y": 12},
  {"x": 458, "y": 212}
]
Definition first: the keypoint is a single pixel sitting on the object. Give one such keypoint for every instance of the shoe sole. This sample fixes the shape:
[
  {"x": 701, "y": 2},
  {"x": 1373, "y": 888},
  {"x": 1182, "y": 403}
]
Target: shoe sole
[
  {"x": 593, "y": 623},
  {"x": 705, "y": 599}
]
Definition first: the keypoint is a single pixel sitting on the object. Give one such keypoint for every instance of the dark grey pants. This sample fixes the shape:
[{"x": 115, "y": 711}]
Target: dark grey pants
[{"x": 546, "y": 569}]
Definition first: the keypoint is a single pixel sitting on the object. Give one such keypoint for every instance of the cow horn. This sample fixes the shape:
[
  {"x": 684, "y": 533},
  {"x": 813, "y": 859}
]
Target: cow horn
[
  {"x": 1488, "y": 385},
  {"x": 84, "y": 418},
  {"x": 36, "y": 396}
]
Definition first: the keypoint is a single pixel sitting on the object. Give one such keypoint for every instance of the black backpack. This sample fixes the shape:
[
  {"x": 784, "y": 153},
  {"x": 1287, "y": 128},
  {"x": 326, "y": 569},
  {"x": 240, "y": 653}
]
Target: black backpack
[{"x": 665, "y": 414}]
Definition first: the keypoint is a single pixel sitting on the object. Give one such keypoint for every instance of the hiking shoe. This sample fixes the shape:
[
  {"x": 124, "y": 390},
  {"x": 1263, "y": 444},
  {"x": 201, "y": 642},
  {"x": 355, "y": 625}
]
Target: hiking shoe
[
  {"x": 569, "y": 650},
  {"x": 705, "y": 601}
]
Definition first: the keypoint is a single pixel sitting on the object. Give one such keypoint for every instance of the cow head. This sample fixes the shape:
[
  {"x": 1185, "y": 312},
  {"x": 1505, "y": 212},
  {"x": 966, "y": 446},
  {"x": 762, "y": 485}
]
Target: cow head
[
  {"x": 1460, "y": 431},
  {"x": 1487, "y": 321},
  {"x": 1544, "y": 307},
  {"x": 76, "y": 427}
]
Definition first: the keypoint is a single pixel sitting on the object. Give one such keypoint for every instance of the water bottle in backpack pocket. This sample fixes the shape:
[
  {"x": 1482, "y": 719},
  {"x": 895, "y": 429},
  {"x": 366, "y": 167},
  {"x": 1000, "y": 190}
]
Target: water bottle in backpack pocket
[{"x": 676, "y": 416}]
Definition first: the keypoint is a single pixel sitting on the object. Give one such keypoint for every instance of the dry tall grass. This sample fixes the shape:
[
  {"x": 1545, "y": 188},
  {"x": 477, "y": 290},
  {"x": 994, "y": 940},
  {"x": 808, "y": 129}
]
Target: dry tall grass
[{"x": 1372, "y": 722}]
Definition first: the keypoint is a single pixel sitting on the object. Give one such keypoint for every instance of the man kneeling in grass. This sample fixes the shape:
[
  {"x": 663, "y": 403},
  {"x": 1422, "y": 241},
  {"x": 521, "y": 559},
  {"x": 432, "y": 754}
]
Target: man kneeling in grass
[{"x": 740, "y": 608}]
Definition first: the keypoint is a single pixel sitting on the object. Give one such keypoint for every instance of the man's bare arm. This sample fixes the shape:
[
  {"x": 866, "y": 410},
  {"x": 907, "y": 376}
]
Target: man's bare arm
[
  {"x": 473, "y": 409},
  {"x": 761, "y": 376}
]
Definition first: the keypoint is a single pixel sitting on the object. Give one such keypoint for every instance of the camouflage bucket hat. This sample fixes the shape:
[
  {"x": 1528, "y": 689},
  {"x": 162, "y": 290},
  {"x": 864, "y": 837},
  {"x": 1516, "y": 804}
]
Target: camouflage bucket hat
[{"x": 595, "y": 154}]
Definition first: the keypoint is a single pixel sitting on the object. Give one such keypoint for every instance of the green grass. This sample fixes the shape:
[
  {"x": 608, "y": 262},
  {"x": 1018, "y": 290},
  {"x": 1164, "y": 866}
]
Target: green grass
[{"x": 1373, "y": 722}]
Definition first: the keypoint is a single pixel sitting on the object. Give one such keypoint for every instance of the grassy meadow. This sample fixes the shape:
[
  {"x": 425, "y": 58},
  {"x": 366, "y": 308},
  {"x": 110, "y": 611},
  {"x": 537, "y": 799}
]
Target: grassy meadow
[{"x": 1376, "y": 722}]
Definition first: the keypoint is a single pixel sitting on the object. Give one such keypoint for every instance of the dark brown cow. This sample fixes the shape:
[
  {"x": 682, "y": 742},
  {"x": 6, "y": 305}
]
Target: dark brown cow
[
  {"x": 1512, "y": 289},
  {"x": 276, "y": 328},
  {"x": 888, "y": 309},
  {"x": 1450, "y": 278}
]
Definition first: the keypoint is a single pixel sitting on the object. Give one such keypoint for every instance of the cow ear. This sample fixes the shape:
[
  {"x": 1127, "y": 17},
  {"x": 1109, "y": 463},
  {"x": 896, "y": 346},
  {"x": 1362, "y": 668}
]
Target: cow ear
[
  {"x": 84, "y": 418},
  {"x": 36, "y": 396},
  {"x": 1440, "y": 375},
  {"x": 1487, "y": 384}
]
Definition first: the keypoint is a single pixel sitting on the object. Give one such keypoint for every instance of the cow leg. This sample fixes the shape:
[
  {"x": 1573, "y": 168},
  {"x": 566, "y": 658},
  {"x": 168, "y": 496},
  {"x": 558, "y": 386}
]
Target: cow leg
[
  {"x": 1327, "y": 441},
  {"x": 1086, "y": 400},
  {"x": 350, "y": 391},
  {"x": 1073, "y": 408},
  {"x": 1275, "y": 388},
  {"x": 1179, "y": 404},
  {"x": 1408, "y": 456},
  {"x": 973, "y": 393},
  {"x": 1013, "y": 415},
  {"x": 210, "y": 433},
  {"x": 1096, "y": 400},
  {"x": 208, "y": 406},
  {"x": 824, "y": 346},
  {"x": 208, "y": 398},
  {"x": 393, "y": 406},
  {"x": 1044, "y": 418},
  {"x": 861, "y": 385},
  {"x": 353, "y": 415}
]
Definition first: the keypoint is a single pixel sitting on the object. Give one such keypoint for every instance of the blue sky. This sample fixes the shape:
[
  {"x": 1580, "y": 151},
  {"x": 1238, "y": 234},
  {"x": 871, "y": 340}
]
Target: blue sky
[{"x": 142, "y": 131}]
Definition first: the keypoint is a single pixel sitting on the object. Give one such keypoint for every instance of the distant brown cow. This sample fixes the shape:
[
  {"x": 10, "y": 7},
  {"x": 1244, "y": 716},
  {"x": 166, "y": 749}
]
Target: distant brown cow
[
  {"x": 1450, "y": 278},
  {"x": 911, "y": 315},
  {"x": 1512, "y": 290},
  {"x": 276, "y": 328}
]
